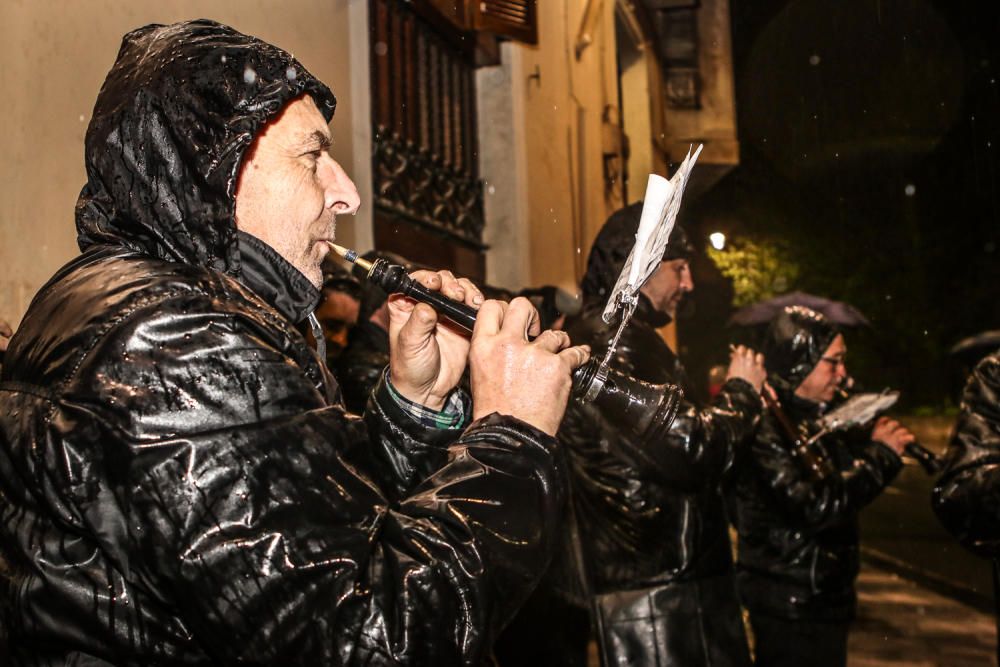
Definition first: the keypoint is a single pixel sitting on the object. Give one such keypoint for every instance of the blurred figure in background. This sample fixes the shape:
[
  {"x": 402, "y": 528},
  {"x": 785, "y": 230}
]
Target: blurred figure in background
[
  {"x": 797, "y": 505},
  {"x": 554, "y": 304},
  {"x": 967, "y": 496},
  {"x": 338, "y": 311},
  {"x": 716, "y": 380},
  {"x": 360, "y": 365}
]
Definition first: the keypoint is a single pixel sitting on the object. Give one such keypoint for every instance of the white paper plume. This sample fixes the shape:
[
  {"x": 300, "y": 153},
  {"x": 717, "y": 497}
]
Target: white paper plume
[
  {"x": 859, "y": 410},
  {"x": 659, "y": 213}
]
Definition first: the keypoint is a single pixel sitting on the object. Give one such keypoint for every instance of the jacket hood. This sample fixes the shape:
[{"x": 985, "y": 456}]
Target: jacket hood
[
  {"x": 613, "y": 244},
  {"x": 795, "y": 341},
  {"x": 174, "y": 118}
]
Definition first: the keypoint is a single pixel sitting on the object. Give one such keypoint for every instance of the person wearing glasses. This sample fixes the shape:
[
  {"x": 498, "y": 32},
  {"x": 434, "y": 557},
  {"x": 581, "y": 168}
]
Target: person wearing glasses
[{"x": 795, "y": 503}]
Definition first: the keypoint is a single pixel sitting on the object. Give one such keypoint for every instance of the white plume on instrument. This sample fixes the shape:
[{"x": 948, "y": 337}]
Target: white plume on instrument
[
  {"x": 659, "y": 214},
  {"x": 859, "y": 410}
]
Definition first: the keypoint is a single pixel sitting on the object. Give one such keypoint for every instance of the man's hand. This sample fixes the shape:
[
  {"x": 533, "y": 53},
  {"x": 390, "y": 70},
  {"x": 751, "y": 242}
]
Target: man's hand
[
  {"x": 892, "y": 434},
  {"x": 427, "y": 357},
  {"x": 511, "y": 376},
  {"x": 5, "y": 333},
  {"x": 746, "y": 365}
]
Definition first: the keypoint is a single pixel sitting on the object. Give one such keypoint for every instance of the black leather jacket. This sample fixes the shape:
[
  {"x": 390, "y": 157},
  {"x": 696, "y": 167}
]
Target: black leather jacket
[
  {"x": 361, "y": 364},
  {"x": 179, "y": 483},
  {"x": 651, "y": 520},
  {"x": 796, "y": 507},
  {"x": 967, "y": 496}
]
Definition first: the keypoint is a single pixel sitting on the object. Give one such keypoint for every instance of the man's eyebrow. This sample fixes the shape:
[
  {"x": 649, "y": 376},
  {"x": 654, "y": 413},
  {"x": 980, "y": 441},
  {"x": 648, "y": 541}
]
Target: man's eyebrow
[{"x": 319, "y": 138}]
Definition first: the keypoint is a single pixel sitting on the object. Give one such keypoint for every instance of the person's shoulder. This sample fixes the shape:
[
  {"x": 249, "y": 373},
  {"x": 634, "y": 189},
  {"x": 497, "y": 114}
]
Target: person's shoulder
[
  {"x": 986, "y": 375},
  {"x": 100, "y": 297},
  {"x": 981, "y": 397}
]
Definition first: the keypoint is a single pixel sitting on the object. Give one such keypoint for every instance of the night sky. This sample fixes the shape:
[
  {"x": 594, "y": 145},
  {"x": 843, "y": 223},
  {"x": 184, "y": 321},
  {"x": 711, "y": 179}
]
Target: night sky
[{"x": 869, "y": 132}]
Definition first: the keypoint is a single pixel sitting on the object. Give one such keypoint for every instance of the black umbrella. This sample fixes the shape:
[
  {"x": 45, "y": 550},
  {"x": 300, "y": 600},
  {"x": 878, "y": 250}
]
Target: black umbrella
[
  {"x": 763, "y": 312},
  {"x": 980, "y": 344}
]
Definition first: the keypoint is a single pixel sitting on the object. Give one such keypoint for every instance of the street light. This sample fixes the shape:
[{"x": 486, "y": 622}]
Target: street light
[{"x": 718, "y": 240}]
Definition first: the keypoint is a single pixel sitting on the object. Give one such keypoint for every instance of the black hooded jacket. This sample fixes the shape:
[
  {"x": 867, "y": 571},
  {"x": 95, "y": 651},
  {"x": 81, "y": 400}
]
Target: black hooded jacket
[
  {"x": 797, "y": 511},
  {"x": 653, "y": 534},
  {"x": 179, "y": 484},
  {"x": 967, "y": 495}
]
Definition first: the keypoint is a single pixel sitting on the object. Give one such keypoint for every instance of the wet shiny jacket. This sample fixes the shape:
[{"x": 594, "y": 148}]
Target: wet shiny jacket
[
  {"x": 362, "y": 362},
  {"x": 797, "y": 512},
  {"x": 967, "y": 495},
  {"x": 652, "y": 528},
  {"x": 179, "y": 484}
]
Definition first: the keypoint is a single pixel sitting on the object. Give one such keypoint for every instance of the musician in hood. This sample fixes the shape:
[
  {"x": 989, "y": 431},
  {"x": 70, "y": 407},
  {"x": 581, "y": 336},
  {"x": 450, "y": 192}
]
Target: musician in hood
[
  {"x": 648, "y": 547},
  {"x": 795, "y": 503}
]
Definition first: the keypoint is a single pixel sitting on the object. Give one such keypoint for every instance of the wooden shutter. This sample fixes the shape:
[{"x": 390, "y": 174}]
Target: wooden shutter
[
  {"x": 455, "y": 12},
  {"x": 516, "y": 19}
]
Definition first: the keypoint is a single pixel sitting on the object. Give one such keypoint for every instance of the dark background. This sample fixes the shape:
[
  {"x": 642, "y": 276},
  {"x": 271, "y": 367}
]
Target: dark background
[{"x": 869, "y": 132}]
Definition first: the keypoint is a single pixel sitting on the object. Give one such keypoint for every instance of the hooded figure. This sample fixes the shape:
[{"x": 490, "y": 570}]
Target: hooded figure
[
  {"x": 967, "y": 495},
  {"x": 649, "y": 548},
  {"x": 179, "y": 481},
  {"x": 796, "y": 507}
]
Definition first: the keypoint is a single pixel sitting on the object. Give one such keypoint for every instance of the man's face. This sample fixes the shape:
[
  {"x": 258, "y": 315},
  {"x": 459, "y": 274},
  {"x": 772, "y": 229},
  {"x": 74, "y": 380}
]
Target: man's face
[
  {"x": 337, "y": 313},
  {"x": 821, "y": 384},
  {"x": 668, "y": 285},
  {"x": 290, "y": 190}
]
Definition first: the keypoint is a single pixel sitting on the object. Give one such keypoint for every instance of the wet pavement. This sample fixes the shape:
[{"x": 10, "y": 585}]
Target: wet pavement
[{"x": 903, "y": 623}]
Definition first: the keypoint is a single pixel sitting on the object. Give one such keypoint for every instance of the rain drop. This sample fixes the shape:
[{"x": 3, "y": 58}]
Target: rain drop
[
  {"x": 910, "y": 190},
  {"x": 290, "y": 74},
  {"x": 223, "y": 60},
  {"x": 381, "y": 48},
  {"x": 491, "y": 190},
  {"x": 814, "y": 60},
  {"x": 249, "y": 75},
  {"x": 82, "y": 118}
]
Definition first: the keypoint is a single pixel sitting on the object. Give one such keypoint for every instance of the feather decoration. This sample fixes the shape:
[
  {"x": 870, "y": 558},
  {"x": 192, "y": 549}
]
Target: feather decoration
[
  {"x": 859, "y": 410},
  {"x": 659, "y": 214}
]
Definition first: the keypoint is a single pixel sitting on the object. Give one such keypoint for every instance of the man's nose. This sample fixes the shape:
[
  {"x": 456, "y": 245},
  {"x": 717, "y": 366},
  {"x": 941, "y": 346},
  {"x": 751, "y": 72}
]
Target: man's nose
[
  {"x": 687, "y": 282},
  {"x": 339, "y": 190}
]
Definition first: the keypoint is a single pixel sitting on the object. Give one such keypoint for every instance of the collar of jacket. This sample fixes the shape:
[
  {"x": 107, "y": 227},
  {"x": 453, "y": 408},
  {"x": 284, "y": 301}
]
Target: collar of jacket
[
  {"x": 799, "y": 409},
  {"x": 645, "y": 312},
  {"x": 276, "y": 281}
]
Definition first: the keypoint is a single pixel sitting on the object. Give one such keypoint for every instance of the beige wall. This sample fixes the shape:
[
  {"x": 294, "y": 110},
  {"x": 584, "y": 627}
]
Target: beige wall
[
  {"x": 540, "y": 224},
  {"x": 53, "y": 58}
]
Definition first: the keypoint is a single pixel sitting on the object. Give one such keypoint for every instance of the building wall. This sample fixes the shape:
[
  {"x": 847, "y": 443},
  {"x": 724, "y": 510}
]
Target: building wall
[
  {"x": 549, "y": 115},
  {"x": 543, "y": 113},
  {"x": 54, "y": 57}
]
